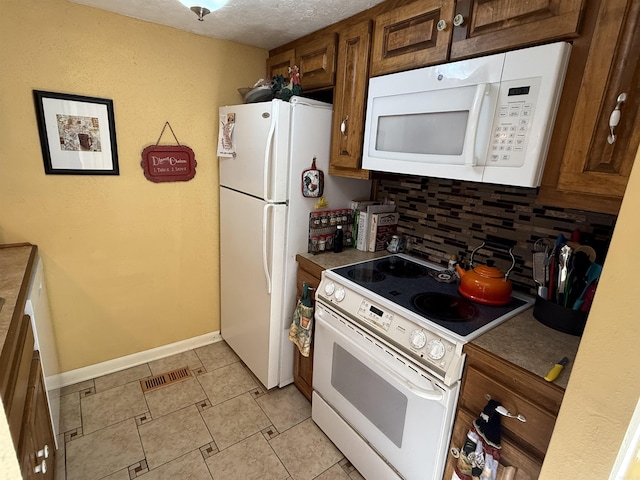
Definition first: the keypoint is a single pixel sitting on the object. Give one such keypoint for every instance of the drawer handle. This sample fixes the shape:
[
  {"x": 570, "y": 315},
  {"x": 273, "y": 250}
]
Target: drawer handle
[{"x": 506, "y": 413}]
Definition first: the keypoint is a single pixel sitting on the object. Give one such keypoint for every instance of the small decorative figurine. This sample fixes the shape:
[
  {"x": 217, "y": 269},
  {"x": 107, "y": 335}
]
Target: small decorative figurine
[{"x": 283, "y": 91}]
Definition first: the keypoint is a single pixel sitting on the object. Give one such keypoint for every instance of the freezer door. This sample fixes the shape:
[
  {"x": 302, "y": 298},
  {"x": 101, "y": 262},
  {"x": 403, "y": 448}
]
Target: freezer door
[
  {"x": 252, "y": 235},
  {"x": 261, "y": 141}
]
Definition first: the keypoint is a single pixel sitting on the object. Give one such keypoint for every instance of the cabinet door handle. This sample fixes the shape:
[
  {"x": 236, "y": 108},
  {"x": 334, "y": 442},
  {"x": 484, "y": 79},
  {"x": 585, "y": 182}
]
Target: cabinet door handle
[
  {"x": 44, "y": 452},
  {"x": 614, "y": 118},
  {"x": 458, "y": 20},
  {"x": 343, "y": 126},
  {"x": 42, "y": 468},
  {"x": 441, "y": 25}
]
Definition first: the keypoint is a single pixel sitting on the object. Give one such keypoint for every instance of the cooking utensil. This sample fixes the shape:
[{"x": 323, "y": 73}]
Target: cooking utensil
[
  {"x": 556, "y": 369},
  {"x": 486, "y": 284},
  {"x": 539, "y": 274},
  {"x": 579, "y": 265},
  {"x": 592, "y": 276},
  {"x": 591, "y": 253},
  {"x": 541, "y": 258},
  {"x": 563, "y": 272}
]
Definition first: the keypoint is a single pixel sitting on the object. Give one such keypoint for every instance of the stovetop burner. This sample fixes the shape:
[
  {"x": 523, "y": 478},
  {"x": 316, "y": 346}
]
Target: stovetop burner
[
  {"x": 443, "y": 306},
  {"x": 402, "y": 268},
  {"x": 409, "y": 284},
  {"x": 366, "y": 275}
]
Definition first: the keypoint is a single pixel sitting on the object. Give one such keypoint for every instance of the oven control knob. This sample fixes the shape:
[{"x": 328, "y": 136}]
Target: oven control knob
[
  {"x": 329, "y": 288},
  {"x": 339, "y": 295},
  {"x": 418, "y": 339},
  {"x": 436, "y": 349}
]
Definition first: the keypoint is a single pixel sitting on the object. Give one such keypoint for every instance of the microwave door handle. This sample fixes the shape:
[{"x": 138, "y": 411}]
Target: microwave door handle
[
  {"x": 265, "y": 230},
  {"x": 474, "y": 115}
]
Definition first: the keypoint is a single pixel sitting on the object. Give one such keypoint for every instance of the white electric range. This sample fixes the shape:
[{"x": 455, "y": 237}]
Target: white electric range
[{"x": 388, "y": 362}]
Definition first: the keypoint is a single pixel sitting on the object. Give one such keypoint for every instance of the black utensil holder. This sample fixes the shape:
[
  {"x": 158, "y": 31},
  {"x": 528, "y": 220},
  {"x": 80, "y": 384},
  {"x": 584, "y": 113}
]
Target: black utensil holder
[{"x": 559, "y": 318}]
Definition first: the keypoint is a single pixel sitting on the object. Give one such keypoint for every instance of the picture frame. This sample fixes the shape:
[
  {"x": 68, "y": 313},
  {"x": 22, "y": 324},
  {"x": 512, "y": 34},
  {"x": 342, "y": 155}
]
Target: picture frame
[{"x": 77, "y": 134}]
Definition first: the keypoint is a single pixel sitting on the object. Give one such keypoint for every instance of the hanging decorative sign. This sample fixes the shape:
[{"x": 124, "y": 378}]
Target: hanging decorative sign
[
  {"x": 168, "y": 163},
  {"x": 312, "y": 181}
]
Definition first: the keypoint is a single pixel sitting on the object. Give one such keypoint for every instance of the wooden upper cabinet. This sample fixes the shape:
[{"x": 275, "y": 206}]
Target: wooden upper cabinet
[
  {"x": 409, "y": 37},
  {"x": 603, "y": 83},
  {"x": 584, "y": 170},
  {"x": 317, "y": 62},
  {"x": 279, "y": 64},
  {"x": 485, "y": 26},
  {"x": 349, "y": 99}
]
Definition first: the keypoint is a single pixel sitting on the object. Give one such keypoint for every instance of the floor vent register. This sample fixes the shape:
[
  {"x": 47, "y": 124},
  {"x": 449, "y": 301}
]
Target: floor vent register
[{"x": 164, "y": 379}]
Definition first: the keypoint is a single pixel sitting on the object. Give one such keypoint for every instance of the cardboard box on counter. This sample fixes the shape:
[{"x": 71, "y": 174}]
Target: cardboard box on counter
[{"x": 383, "y": 226}]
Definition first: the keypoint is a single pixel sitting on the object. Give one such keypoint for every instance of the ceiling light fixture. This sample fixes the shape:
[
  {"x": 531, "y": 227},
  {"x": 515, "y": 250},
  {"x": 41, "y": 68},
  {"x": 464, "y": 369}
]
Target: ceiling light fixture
[{"x": 203, "y": 7}]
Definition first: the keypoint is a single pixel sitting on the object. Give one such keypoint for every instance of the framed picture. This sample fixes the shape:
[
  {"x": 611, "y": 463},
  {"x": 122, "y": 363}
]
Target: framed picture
[{"x": 77, "y": 134}]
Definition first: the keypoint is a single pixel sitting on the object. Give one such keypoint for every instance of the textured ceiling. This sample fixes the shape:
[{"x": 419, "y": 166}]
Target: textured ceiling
[{"x": 262, "y": 23}]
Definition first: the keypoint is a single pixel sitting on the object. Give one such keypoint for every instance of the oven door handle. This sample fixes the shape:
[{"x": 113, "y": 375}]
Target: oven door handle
[
  {"x": 431, "y": 395},
  {"x": 412, "y": 387}
]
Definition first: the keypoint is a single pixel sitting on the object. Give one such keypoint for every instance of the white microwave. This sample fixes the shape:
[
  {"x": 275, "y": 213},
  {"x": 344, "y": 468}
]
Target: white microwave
[{"x": 486, "y": 119}]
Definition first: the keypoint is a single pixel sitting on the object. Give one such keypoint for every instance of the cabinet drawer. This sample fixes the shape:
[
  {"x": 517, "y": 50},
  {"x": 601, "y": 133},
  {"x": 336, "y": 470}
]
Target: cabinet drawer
[
  {"x": 536, "y": 431},
  {"x": 511, "y": 455}
]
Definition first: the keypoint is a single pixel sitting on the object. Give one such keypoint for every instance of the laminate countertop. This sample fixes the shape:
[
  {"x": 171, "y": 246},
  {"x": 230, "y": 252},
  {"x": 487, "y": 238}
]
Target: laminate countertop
[
  {"x": 521, "y": 340},
  {"x": 15, "y": 267}
]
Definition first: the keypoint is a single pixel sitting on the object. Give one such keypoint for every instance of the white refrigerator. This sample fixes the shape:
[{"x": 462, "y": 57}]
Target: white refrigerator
[{"x": 264, "y": 222}]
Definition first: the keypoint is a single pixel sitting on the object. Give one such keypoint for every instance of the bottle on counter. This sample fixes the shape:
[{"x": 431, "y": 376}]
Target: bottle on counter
[{"x": 338, "y": 239}]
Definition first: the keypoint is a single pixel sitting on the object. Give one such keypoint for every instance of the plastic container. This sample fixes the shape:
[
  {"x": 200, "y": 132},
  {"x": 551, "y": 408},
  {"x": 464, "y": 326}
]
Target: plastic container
[{"x": 559, "y": 318}]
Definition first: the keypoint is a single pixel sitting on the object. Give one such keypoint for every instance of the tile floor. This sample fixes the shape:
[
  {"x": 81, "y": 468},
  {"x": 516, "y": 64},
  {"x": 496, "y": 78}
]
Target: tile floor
[{"x": 221, "y": 424}]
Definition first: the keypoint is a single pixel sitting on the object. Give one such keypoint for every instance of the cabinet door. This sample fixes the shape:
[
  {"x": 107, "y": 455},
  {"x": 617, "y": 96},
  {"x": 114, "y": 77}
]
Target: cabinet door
[
  {"x": 408, "y": 37},
  {"x": 303, "y": 366},
  {"x": 593, "y": 164},
  {"x": 37, "y": 446},
  {"x": 484, "y": 26},
  {"x": 317, "y": 62},
  {"x": 349, "y": 99},
  {"x": 279, "y": 64},
  {"x": 583, "y": 170}
]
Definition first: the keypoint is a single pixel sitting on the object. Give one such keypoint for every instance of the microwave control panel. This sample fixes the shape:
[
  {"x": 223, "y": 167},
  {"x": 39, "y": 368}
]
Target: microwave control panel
[{"x": 513, "y": 123}]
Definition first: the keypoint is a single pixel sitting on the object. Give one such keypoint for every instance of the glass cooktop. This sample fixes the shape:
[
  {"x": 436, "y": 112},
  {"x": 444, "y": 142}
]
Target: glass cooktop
[{"x": 414, "y": 286}]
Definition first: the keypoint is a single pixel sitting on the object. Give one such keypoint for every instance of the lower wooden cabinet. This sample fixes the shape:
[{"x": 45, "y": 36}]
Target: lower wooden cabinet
[
  {"x": 37, "y": 450},
  {"x": 524, "y": 444},
  {"x": 309, "y": 273}
]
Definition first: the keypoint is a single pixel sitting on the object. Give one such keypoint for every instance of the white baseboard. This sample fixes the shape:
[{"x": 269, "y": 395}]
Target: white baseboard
[{"x": 110, "y": 366}]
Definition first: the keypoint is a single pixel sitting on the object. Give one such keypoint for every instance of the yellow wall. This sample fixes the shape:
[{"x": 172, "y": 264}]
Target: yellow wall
[
  {"x": 130, "y": 265},
  {"x": 605, "y": 381}
]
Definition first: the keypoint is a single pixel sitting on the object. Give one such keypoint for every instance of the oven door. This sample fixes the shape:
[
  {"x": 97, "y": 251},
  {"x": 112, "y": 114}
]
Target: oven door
[{"x": 388, "y": 400}]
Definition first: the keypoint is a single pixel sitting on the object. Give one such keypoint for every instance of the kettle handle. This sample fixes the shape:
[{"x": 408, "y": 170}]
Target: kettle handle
[{"x": 494, "y": 244}]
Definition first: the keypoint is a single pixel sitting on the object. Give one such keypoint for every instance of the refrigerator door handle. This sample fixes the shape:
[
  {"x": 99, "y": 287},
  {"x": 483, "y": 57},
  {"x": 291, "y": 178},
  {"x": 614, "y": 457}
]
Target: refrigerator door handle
[
  {"x": 267, "y": 152},
  {"x": 265, "y": 263}
]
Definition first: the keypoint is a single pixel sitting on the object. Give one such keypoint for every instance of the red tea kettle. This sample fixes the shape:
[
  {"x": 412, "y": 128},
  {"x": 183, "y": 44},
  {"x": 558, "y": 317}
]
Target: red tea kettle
[{"x": 486, "y": 284}]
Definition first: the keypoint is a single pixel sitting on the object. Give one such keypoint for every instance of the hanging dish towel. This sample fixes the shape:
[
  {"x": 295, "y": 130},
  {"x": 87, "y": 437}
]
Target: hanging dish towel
[
  {"x": 300, "y": 330},
  {"x": 478, "y": 457}
]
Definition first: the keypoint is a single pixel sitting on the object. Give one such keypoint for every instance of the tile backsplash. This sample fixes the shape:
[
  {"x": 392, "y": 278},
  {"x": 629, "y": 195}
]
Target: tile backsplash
[{"x": 440, "y": 218}]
